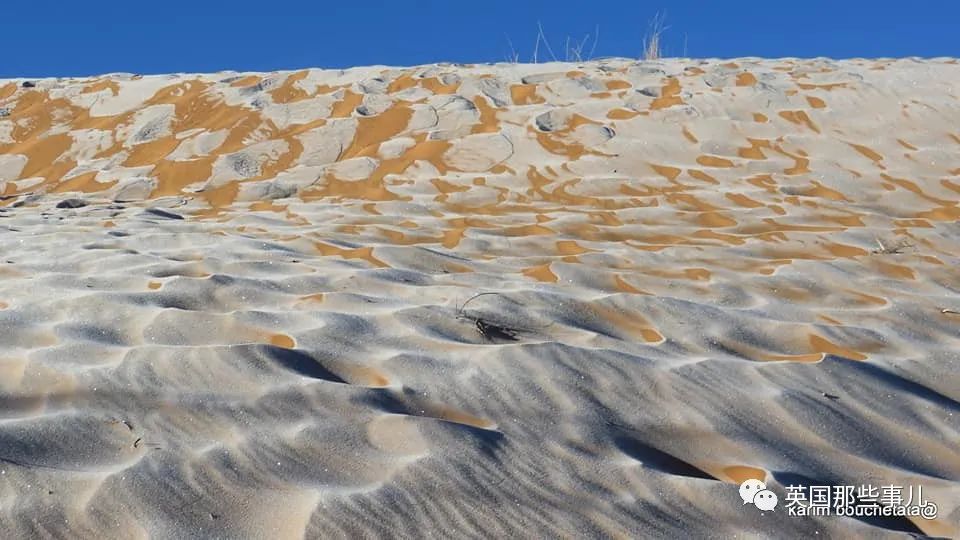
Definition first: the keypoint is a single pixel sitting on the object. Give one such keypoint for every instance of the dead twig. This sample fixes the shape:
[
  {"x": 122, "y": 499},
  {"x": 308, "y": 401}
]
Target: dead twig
[
  {"x": 478, "y": 295},
  {"x": 488, "y": 329},
  {"x": 895, "y": 249},
  {"x": 492, "y": 331}
]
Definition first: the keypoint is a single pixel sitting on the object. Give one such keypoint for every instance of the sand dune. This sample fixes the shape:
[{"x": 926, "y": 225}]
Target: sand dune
[{"x": 232, "y": 305}]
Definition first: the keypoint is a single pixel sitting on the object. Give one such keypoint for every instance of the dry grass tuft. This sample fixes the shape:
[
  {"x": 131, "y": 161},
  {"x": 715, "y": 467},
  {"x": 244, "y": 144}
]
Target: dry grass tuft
[
  {"x": 573, "y": 51},
  {"x": 651, "y": 41},
  {"x": 583, "y": 50}
]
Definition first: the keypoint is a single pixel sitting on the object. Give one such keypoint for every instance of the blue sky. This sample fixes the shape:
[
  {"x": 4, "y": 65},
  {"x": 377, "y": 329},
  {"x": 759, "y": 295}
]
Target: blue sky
[{"x": 93, "y": 37}]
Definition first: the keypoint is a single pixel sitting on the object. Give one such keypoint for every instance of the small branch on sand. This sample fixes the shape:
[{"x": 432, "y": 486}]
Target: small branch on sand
[
  {"x": 895, "y": 249},
  {"x": 488, "y": 329},
  {"x": 494, "y": 331},
  {"x": 464, "y": 306}
]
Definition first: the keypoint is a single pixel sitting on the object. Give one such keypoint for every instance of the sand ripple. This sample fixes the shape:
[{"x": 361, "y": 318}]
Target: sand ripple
[{"x": 253, "y": 322}]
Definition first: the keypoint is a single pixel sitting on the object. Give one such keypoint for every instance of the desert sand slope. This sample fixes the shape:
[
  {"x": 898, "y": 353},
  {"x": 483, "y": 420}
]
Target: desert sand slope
[{"x": 230, "y": 304}]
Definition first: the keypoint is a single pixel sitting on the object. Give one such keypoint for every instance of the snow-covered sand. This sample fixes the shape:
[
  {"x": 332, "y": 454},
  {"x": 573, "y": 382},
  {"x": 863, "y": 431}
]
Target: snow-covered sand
[{"x": 232, "y": 305}]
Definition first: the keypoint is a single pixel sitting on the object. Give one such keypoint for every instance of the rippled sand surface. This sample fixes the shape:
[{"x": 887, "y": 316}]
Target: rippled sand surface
[{"x": 232, "y": 305}]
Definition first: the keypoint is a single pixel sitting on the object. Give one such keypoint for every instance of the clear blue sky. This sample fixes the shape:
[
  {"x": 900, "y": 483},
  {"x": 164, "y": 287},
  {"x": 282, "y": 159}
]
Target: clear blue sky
[{"x": 68, "y": 37}]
